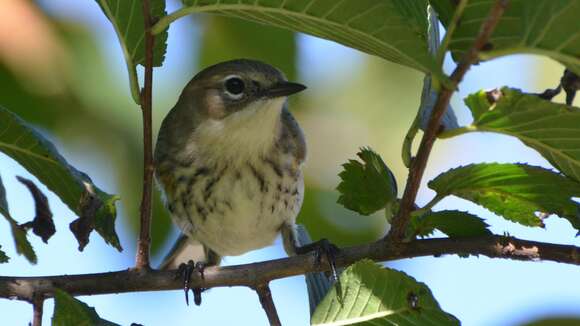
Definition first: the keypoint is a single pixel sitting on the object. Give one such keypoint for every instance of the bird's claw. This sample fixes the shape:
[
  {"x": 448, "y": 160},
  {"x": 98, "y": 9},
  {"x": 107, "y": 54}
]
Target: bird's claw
[
  {"x": 325, "y": 248},
  {"x": 185, "y": 271},
  {"x": 329, "y": 250}
]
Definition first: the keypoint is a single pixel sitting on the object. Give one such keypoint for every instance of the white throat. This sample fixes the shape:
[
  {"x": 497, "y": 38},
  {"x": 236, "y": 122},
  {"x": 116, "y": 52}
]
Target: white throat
[{"x": 244, "y": 135}]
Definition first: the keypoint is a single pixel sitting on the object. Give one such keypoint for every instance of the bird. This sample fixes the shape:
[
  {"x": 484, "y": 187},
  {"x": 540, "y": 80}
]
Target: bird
[{"x": 228, "y": 159}]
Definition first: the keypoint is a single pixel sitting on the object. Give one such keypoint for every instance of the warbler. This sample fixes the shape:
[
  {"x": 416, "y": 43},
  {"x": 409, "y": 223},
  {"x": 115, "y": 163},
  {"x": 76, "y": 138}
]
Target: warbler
[{"x": 229, "y": 159}]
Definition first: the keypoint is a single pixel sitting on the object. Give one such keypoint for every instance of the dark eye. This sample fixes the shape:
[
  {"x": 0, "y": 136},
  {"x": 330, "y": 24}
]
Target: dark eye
[{"x": 235, "y": 86}]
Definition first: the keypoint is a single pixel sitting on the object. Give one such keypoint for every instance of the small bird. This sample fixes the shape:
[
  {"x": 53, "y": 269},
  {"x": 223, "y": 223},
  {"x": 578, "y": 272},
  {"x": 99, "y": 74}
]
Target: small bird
[{"x": 229, "y": 159}]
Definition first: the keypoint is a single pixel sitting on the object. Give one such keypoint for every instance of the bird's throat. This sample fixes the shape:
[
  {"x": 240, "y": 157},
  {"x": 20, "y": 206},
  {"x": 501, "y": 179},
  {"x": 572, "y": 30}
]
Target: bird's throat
[{"x": 244, "y": 135}]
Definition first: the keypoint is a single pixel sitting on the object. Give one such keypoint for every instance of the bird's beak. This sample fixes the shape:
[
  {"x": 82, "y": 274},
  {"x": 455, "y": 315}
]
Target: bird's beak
[{"x": 283, "y": 89}]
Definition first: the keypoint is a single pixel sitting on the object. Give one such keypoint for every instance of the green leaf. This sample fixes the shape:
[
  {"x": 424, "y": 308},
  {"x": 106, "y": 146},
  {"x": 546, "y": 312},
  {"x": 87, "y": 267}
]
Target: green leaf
[
  {"x": 395, "y": 30},
  {"x": 23, "y": 246},
  {"x": 366, "y": 187},
  {"x": 515, "y": 191},
  {"x": 455, "y": 224},
  {"x": 226, "y": 38},
  {"x": 551, "y": 129},
  {"x": 35, "y": 153},
  {"x": 3, "y": 201},
  {"x": 127, "y": 19},
  {"x": 544, "y": 27},
  {"x": 69, "y": 311},
  {"x": 373, "y": 295},
  {"x": 3, "y": 257}
]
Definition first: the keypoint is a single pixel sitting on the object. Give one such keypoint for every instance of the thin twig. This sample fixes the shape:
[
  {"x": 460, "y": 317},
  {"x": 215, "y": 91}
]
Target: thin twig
[
  {"x": 144, "y": 243},
  {"x": 24, "y": 288},
  {"x": 265, "y": 295},
  {"x": 37, "y": 306},
  {"x": 419, "y": 163}
]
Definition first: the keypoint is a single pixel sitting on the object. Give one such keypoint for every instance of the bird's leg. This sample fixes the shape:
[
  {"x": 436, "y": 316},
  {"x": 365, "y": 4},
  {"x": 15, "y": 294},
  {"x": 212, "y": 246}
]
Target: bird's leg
[{"x": 321, "y": 248}]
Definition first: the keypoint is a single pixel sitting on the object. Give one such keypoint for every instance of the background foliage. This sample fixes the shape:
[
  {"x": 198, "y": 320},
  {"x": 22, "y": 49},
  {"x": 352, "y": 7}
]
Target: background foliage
[{"x": 77, "y": 93}]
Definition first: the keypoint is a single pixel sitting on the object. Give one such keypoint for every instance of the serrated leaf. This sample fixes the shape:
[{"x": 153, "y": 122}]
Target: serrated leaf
[
  {"x": 69, "y": 311},
  {"x": 3, "y": 257},
  {"x": 550, "y": 128},
  {"x": 545, "y": 27},
  {"x": 373, "y": 295},
  {"x": 35, "y": 153},
  {"x": 23, "y": 246},
  {"x": 515, "y": 191},
  {"x": 368, "y": 186},
  {"x": 127, "y": 19},
  {"x": 395, "y": 30},
  {"x": 455, "y": 224}
]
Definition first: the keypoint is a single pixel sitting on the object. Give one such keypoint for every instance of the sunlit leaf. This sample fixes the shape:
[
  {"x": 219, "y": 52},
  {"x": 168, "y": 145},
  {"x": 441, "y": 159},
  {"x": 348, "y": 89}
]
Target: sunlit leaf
[
  {"x": 455, "y": 224},
  {"x": 69, "y": 311},
  {"x": 392, "y": 29},
  {"x": 544, "y": 27},
  {"x": 35, "y": 153},
  {"x": 372, "y": 295},
  {"x": 550, "y": 128},
  {"x": 517, "y": 192},
  {"x": 368, "y": 186},
  {"x": 127, "y": 19}
]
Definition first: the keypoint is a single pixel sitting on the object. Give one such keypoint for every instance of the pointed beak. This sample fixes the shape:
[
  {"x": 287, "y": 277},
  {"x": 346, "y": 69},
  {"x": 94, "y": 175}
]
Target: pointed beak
[{"x": 283, "y": 89}]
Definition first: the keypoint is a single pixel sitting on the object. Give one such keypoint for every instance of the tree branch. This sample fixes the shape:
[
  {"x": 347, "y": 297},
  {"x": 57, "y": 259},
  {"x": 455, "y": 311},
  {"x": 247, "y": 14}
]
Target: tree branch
[
  {"x": 37, "y": 306},
  {"x": 265, "y": 295},
  {"x": 144, "y": 242},
  {"x": 252, "y": 275},
  {"x": 419, "y": 163}
]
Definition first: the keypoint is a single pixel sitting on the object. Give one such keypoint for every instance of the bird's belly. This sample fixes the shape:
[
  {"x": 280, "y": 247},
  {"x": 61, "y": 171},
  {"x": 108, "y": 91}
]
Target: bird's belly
[{"x": 239, "y": 210}]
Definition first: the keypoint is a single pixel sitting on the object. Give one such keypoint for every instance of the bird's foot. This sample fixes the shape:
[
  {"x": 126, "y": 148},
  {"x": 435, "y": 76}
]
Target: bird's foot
[
  {"x": 185, "y": 271},
  {"x": 321, "y": 248}
]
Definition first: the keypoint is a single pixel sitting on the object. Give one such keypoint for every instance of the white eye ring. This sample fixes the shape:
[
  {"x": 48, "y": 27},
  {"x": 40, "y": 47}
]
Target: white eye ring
[{"x": 234, "y": 86}]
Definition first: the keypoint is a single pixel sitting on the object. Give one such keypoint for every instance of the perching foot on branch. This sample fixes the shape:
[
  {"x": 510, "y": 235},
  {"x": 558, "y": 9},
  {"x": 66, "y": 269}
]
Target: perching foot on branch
[{"x": 185, "y": 271}]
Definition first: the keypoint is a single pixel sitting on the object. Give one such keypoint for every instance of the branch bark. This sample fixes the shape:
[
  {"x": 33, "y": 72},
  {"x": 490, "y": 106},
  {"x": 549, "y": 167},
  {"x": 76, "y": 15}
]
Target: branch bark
[
  {"x": 419, "y": 163},
  {"x": 37, "y": 306},
  {"x": 253, "y": 275},
  {"x": 144, "y": 242},
  {"x": 263, "y": 291}
]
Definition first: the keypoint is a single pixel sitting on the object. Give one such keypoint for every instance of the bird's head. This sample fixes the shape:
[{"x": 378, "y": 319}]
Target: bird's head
[
  {"x": 233, "y": 108},
  {"x": 233, "y": 86}
]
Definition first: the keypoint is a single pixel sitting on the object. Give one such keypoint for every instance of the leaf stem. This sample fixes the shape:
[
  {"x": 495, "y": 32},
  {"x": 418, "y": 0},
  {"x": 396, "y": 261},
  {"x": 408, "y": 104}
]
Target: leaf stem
[
  {"x": 144, "y": 242},
  {"x": 418, "y": 165},
  {"x": 450, "y": 30},
  {"x": 456, "y": 132},
  {"x": 429, "y": 205}
]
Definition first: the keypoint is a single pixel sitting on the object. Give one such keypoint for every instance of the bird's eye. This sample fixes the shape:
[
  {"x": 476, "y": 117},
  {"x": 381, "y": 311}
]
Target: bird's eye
[{"x": 235, "y": 86}]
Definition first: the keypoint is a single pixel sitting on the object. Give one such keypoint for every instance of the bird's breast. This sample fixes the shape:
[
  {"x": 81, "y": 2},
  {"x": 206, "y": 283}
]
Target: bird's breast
[{"x": 236, "y": 207}]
